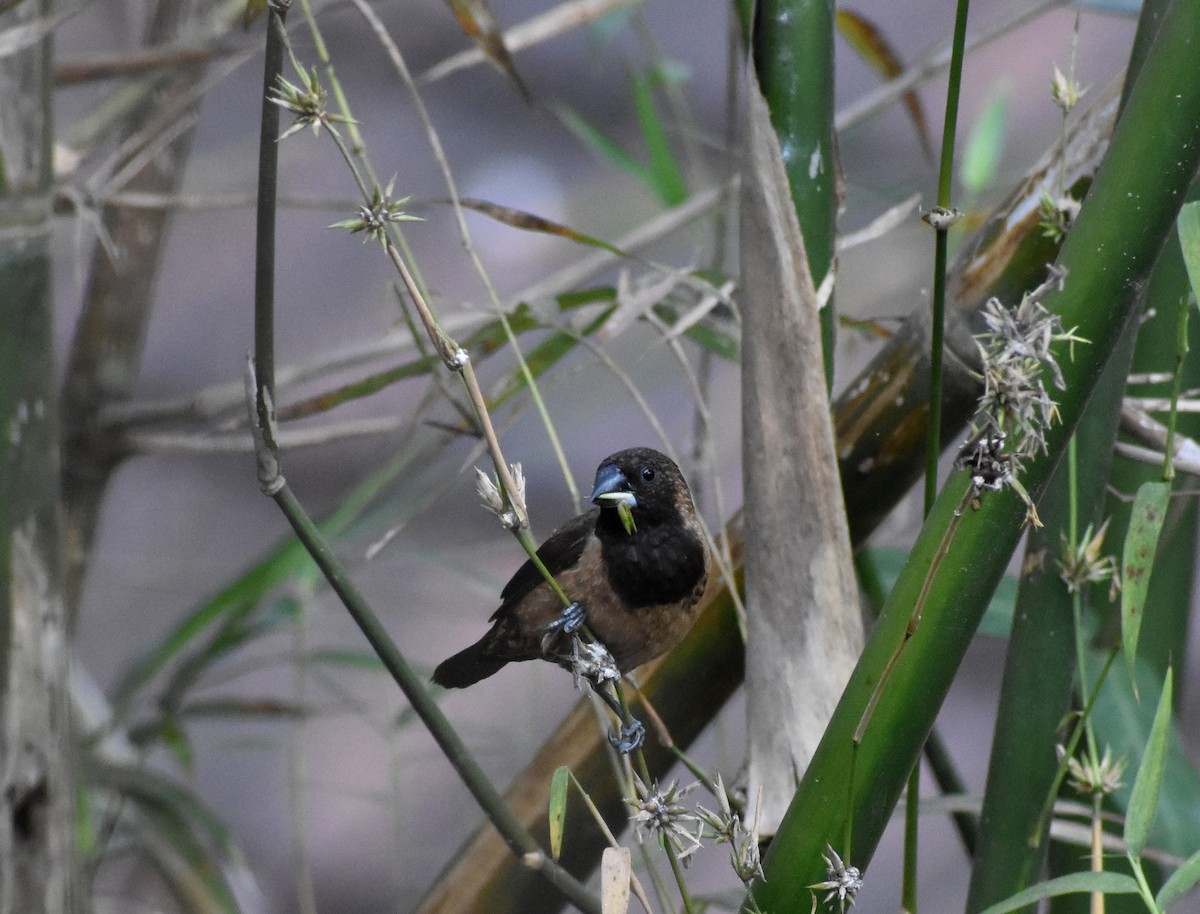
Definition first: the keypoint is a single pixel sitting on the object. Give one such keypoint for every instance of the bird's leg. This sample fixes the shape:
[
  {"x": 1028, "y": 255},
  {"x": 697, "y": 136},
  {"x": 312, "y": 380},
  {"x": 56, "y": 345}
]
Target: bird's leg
[
  {"x": 633, "y": 733},
  {"x": 570, "y": 620},
  {"x": 591, "y": 662}
]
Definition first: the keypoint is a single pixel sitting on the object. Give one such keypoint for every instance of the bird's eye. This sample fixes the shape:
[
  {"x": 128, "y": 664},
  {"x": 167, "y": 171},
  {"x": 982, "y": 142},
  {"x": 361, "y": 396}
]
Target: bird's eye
[{"x": 647, "y": 474}]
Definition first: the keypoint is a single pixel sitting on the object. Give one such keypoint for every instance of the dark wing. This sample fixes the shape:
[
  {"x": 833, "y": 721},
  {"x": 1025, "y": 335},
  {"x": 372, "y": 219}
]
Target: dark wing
[{"x": 560, "y": 552}]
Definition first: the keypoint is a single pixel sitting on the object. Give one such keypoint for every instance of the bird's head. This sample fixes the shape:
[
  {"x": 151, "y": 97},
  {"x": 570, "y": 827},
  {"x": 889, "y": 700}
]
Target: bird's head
[{"x": 643, "y": 484}]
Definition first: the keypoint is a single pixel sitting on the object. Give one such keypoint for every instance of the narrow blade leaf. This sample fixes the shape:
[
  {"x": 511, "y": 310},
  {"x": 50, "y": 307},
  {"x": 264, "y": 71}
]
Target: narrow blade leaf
[
  {"x": 1189, "y": 239},
  {"x": 1182, "y": 881},
  {"x": 871, "y": 45},
  {"x": 1108, "y": 883},
  {"x": 1141, "y": 542},
  {"x": 528, "y": 222},
  {"x": 477, "y": 22},
  {"x": 558, "y": 808},
  {"x": 1143, "y": 802},
  {"x": 667, "y": 180}
]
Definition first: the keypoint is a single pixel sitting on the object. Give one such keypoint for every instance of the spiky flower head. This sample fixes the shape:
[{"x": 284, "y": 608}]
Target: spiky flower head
[
  {"x": 1095, "y": 777},
  {"x": 375, "y": 217},
  {"x": 659, "y": 813},
  {"x": 1084, "y": 565},
  {"x": 842, "y": 882}
]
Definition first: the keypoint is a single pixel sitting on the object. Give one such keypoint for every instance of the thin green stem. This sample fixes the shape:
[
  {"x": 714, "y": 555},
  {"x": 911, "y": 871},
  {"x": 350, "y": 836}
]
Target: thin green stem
[
  {"x": 953, "y": 88},
  {"x": 677, "y": 870},
  {"x": 519, "y": 840},
  {"x": 937, "y": 334},
  {"x": 264, "y": 246},
  {"x": 514, "y": 833},
  {"x": 933, "y": 446},
  {"x": 1145, "y": 892},
  {"x": 1040, "y": 829}
]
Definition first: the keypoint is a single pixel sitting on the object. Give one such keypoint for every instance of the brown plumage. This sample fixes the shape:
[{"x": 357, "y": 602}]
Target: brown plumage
[{"x": 639, "y": 590}]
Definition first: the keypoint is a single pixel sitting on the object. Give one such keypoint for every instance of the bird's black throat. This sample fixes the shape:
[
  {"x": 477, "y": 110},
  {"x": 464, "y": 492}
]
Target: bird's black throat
[{"x": 656, "y": 564}]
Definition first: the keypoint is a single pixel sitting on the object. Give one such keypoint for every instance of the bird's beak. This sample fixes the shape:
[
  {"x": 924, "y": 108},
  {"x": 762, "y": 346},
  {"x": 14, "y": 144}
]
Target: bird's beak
[{"x": 612, "y": 488}]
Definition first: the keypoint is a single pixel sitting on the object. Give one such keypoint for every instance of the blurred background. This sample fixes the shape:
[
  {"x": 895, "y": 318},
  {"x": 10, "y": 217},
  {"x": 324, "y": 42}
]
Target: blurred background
[{"x": 349, "y": 805}]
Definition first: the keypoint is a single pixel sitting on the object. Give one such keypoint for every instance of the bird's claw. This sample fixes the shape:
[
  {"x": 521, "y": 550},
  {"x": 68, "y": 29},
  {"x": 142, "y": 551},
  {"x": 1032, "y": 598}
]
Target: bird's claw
[
  {"x": 569, "y": 621},
  {"x": 632, "y": 736}
]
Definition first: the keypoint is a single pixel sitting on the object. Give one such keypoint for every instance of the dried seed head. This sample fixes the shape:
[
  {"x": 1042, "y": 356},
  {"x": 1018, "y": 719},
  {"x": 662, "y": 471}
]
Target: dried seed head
[
  {"x": 493, "y": 498},
  {"x": 1015, "y": 410},
  {"x": 590, "y": 661},
  {"x": 1095, "y": 778},
  {"x": 1084, "y": 564},
  {"x": 307, "y": 102},
  {"x": 842, "y": 882},
  {"x": 1065, "y": 91},
  {"x": 658, "y": 812},
  {"x": 375, "y": 217}
]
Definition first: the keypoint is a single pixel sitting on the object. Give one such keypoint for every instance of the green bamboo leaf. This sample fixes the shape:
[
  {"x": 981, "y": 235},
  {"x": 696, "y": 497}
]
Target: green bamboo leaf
[
  {"x": 715, "y": 341},
  {"x": 1124, "y": 724},
  {"x": 357, "y": 659},
  {"x": 604, "y": 148},
  {"x": 1143, "y": 803},
  {"x": 570, "y": 301},
  {"x": 1188, "y": 224},
  {"x": 176, "y": 740},
  {"x": 187, "y": 843},
  {"x": 1108, "y": 883},
  {"x": 1182, "y": 881},
  {"x": 558, "y": 808},
  {"x": 985, "y": 144},
  {"x": 666, "y": 178},
  {"x": 545, "y": 356},
  {"x": 1141, "y": 542},
  {"x": 239, "y": 598}
]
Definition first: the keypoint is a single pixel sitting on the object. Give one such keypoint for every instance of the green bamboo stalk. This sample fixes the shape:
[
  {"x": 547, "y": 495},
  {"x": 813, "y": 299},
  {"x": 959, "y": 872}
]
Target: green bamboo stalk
[
  {"x": 1108, "y": 254},
  {"x": 793, "y": 56}
]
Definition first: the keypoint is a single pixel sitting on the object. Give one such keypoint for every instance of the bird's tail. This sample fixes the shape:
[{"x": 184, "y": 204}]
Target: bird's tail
[{"x": 467, "y": 667}]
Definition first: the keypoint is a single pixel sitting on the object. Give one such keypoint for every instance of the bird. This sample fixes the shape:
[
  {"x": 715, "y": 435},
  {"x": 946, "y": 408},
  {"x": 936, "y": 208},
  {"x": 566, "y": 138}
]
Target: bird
[{"x": 636, "y": 586}]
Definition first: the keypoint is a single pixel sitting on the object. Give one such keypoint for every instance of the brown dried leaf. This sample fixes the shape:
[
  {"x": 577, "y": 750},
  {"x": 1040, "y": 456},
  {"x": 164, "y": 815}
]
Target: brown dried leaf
[
  {"x": 477, "y": 22},
  {"x": 875, "y": 49},
  {"x": 614, "y": 880},
  {"x": 528, "y": 222}
]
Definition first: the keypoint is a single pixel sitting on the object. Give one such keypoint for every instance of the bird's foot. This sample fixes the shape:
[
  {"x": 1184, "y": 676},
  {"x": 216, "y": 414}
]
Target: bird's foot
[
  {"x": 569, "y": 621},
  {"x": 631, "y": 737}
]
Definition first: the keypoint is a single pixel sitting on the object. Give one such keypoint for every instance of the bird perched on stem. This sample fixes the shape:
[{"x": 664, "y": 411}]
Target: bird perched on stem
[{"x": 635, "y": 568}]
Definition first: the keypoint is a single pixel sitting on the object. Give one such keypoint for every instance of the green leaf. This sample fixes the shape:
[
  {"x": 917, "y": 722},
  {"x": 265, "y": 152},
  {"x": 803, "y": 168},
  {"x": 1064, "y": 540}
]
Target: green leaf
[
  {"x": 1124, "y": 724},
  {"x": 1188, "y": 224},
  {"x": 356, "y": 659},
  {"x": 238, "y": 599},
  {"x": 543, "y": 357},
  {"x": 603, "y": 147},
  {"x": 188, "y": 845},
  {"x": 985, "y": 145},
  {"x": 1141, "y": 542},
  {"x": 1109, "y": 883},
  {"x": 666, "y": 179},
  {"x": 1182, "y": 881},
  {"x": 1143, "y": 802},
  {"x": 558, "y": 808},
  {"x": 176, "y": 740}
]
